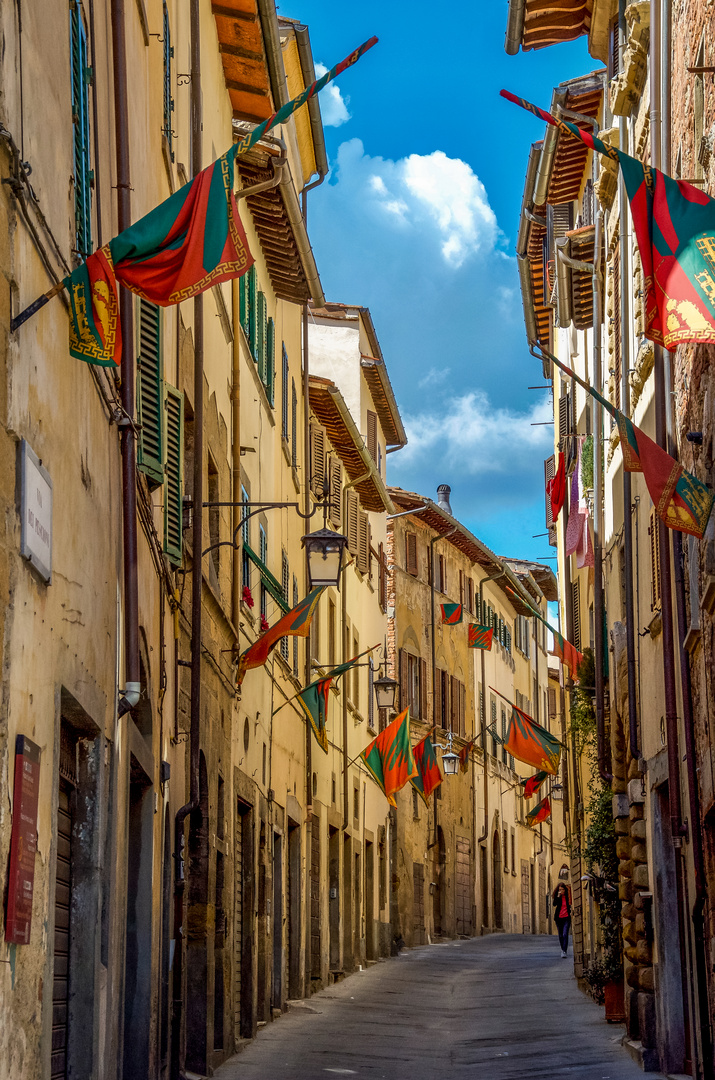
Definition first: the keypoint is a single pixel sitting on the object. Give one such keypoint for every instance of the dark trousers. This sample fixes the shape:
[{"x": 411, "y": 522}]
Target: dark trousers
[{"x": 564, "y": 925}]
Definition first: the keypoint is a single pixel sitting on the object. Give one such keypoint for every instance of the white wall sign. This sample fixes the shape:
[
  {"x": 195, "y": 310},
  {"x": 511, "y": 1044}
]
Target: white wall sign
[{"x": 36, "y": 512}]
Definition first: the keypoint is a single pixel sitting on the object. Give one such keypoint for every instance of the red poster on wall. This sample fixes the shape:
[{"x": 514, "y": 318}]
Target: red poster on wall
[{"x": 23, "y": 841}]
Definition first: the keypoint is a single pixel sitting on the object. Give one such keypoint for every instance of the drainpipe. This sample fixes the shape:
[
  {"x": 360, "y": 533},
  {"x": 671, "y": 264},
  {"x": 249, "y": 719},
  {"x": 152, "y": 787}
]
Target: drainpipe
[
  {"x": 515, "y": 26},
  {"x": 624, "y": 240},
  {"x": 196, "y": 572},
  {"x": 604, "y": 755},
  {"x": 132, "y": 686},
  {"x": 659, "y": 91},
  {"x": 306, "y": 511}
]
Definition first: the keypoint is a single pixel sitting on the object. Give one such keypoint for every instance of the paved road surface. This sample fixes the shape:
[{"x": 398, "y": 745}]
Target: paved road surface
[{"x": 503, "y": 1007}]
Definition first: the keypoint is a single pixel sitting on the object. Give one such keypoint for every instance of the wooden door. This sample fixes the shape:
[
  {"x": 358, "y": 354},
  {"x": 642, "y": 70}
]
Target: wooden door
[
  {"x": 463, "y": 891},
  {"x": 418, "y": 904},
  {"x": 63, "y": 896}
]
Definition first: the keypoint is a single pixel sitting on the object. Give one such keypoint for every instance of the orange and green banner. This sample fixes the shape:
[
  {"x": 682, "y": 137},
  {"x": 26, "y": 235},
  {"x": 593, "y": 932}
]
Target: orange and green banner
[
  {"x": 567, "y": 653},
  {"x": 541, "y": 812},
  {"x": 314, "y": 699},
  {"x": 480, "y": 637},
  {"x": 451, "y": 614},
  {"x": 295, "y": 624},
  {"x": 531, "y": 743},
  {"x": 532, "y": 783},
  {"x": 464, "y": 755},
  {"x": 428, "y": 775},
  {"x": 389, "y": 757}
]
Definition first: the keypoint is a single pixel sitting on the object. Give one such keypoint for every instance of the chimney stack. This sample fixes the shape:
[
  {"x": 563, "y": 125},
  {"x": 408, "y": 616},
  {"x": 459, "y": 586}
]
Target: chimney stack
[{"x": 443, "y": 493}]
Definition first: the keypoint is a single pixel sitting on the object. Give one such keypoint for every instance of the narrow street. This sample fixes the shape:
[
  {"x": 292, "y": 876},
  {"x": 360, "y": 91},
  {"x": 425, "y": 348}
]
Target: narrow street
[{"x": 497, "y": 1007}]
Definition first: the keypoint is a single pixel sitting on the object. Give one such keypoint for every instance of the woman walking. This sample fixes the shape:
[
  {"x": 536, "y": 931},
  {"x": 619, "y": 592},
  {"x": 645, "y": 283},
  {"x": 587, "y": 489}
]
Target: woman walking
[{"x": 562, "y": 914}]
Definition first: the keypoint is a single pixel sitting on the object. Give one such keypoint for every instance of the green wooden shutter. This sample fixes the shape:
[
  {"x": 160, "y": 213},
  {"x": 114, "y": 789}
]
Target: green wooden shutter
[
  {"x": 270, "y": 360},
  {"x": 261, "y": 337},
  {"x": 150, "y": 394},
  {"x": 252, "y": 311},
  {"x": 244, "y": 302},
  {"x": 81, "y": 76},
  {"x": 173, "y": 481}
]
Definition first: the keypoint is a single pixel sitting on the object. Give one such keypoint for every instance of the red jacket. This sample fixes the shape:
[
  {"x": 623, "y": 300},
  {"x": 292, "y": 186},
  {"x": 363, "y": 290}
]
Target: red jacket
[{"x": 558, "y": 899}]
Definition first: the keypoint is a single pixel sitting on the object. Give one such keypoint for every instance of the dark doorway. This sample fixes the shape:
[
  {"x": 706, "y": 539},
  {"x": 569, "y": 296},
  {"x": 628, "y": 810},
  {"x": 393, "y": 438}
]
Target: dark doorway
[
  {"x": 463, "y": 891},
  {"x": 63, "y": 901},
  {"x": 496, "y": 881},
  {"x": 439, "y": 859},
  {"x": 357, "y": 949},
  {"x": 334, "y": 896},
  {"x": 293, "y": 903},
  {"x": 138, "y": 954},
  {"x": 197, "y": 930},
  {"x": 262, "y": 988},
  {"x": 484, "y": 875},
  {"x": 277, "y": 921},
  {"x": 243, "y": 922},
  {"x": 164, "y": 1018},
  {"x": 418, "y": 903},
  {"x": 347, "y": 905},
  {"x": 315, "y": 954},
  {"x": 370, "y": 952}
]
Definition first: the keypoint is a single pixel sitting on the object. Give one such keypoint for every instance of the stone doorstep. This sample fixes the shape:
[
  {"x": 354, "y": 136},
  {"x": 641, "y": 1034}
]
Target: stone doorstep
[{"x": 644, "y": 1056}]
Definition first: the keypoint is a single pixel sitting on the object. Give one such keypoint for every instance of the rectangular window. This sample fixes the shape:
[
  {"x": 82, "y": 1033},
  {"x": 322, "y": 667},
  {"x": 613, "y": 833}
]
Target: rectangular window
[
  {"x": 168, "y": 99},
  {"x": 470, "y": 595},
  {"x": 372, "y": 435},
  {"x": 150, "y": 394},
  {"x": 173, "y": 483},
  {"x": 270, "y": 379},
  {"x": 513, "y": 852},
  {"x": 353, "y": 523},
  {"x": 505, "y": 834},
  {"x": 285, "y": 410},
  {"x": 336, "y": 492},
  {"x": 261, "y": 333},
  {"x": 317, "y": 459},
  {"x": 294, "y": 426},
  {"x": 411, "y": 553},
  {"x": 576, "y": 613},
  {"x": 363, "y": 554},
  {"x": 81, "y": 75}
]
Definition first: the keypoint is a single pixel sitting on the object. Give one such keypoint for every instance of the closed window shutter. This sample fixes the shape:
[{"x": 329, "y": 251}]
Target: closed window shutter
[
  {"x": 402, "y": 663},
  {"x": 317, "y": 459},
  {"x": 654, "y": 562},
  {"x": 336, "y": 489},
  {"x": 285, "y": 419},
  {"x": 150, "y": 394},
  {"x": 173, "y": 484},
  {"x": 576, "y": 613},
  {"x": 549, "y": 473},
  {"x": 423, "y": 689},
  {"x": 462, "y": 710},
  {"x": 260, "y": 353},
  {"x": 363, "y": 557},
  {"x": 454, "y": 705},
  {"x": 411, "y": 552},
  {"x": 559, "y": 221},
  {"x": 564, "y": 416},
  {"x": 382, "y": 579},
  {"x": 494, "y": 726},
  {"x": 294, "y": 426},
  {"x": 443, "y": 574},
  {"x": 429, "y": 556},
  {"x": 446, "y": 701},
  {"x": 437, "y": 691},
  {"x": 252, "y": 311},
  {"x": 372, "y": 435},
  {"x": 461, "y": 587},
  {"x": 270, "y": 359},
  {"x": 244, "y": 302},
  {"x": 352, "y": 523},
  {"x": 81, "y": 75}
]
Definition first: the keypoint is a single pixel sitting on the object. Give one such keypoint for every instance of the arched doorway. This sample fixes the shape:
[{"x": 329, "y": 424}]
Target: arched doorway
[{"x": 496, "y": 881}]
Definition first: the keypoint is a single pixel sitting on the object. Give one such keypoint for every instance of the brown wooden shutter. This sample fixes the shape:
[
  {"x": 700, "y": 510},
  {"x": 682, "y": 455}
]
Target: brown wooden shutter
[
  {"x": 463, "y": 711},
  {"x": 411, "y": 553},
  {"x": 381, "y": 579},
  {"x": 443, "y": 574},
  {"x": 549, "y": 471},
  {"x": 437, "y": 690},
  {"x": 428, "y": 557},
  {"x": 423, "y": 689},
  {"x": 453, "y": 705},
  {"x": 363, "y": 556},
  {"x": 336, "y": 492},
  {"x": 564, "y": 416},
  {"x": 576, "y": 613},
  {"x": 317, "y": 458},
  {"x": 402, "y": 663},
  {"x": 461, "y": 587},
  {"x": 353, "y": 526},
  {"x": 372, "y": 435}
]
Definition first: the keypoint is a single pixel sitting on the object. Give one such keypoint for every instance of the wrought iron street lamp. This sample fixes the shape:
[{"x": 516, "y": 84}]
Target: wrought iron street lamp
[
  {"x": 385, "y": 691},
  {"x": 450, "y": 760},
  {"x": 324, "y": 550}
]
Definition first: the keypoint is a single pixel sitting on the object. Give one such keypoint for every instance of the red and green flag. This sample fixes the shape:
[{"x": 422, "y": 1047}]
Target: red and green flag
[
  {"x": 674, "y": 224},
  {"x": 541, "y": 812},
  {"x": 464, "y": 755},
  {"x": 296, "y": 623},
  {"x": 389, "y": 757},
  {"x": 428, "y": 775},
  {"x": 567, "y": 653},
  {"x": 192, "y": 240},
  {"x": 532, "y": 783},
  {"x": 531, "y": 743},
  {"x": 314, "y": 699},
  {"x": 451, "y": 614},
  {"x": 480, "y": 637}
]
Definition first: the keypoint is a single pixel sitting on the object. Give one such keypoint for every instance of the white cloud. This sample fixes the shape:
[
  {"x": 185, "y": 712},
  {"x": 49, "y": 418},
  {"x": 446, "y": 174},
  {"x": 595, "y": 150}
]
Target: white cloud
[
  {"x": 435, "y": 196},
  {"x": 434, "y": 377},
  {"x": 333, "y": 106},
  {"x": 472, "y": 437}
]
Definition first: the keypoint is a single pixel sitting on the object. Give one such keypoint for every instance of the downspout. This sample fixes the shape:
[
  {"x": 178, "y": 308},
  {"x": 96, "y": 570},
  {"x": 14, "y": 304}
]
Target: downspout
[
  {"x": 625, "y": 252},
  {"x": 658, "y": 93},
  {"x": 196, "y": 571},
  {"x": 132, "y": 685},
  {"x": 483, "y": 717},
  {"x": 307, "y": 669},
  {"x": 345, "y": 657},
  {"x": 271, "y": 37},
  {"x": 604, "y": 754},
  {"x": 515, "y": 26}
]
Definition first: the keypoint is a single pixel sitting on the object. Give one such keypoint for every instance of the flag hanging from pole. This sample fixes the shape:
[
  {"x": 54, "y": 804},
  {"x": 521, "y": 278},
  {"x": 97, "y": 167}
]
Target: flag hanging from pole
[
  {"x": 295, "y": 624},
  {"x": 556, "y": 487},
  {"x": 540, "y": 812},
  {"x": 314, "y": 700},
  {"x": 531, "y": 743},
  {"x": 674, "y": 224},
  {"x": 428, "y": 775},
  {"x": 389, "y": 757},
  {"x": 480, "y": 637},
  {"x": 681, "y": 500},
  {"x": 464, "y": 755},
  {"x": 567, "y": 653},
  {"x": 193, "y": 240},
  {"x": 532, "y": 783},
  {"x": 451, "y": 614}
]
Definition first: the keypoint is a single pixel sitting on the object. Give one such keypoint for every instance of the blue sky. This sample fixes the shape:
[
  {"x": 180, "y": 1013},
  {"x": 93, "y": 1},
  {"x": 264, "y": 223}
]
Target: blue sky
[{"x": 417, "y": 221}]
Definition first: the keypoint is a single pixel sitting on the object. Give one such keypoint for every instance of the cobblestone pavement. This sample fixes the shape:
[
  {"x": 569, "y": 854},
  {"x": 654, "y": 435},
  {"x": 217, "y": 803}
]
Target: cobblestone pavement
[{"x": 499, "y": 1008}]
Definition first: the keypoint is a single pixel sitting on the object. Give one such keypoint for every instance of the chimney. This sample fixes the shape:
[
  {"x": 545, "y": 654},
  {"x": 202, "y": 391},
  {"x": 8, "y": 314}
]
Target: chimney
[{"x": 443, "y": 493}]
